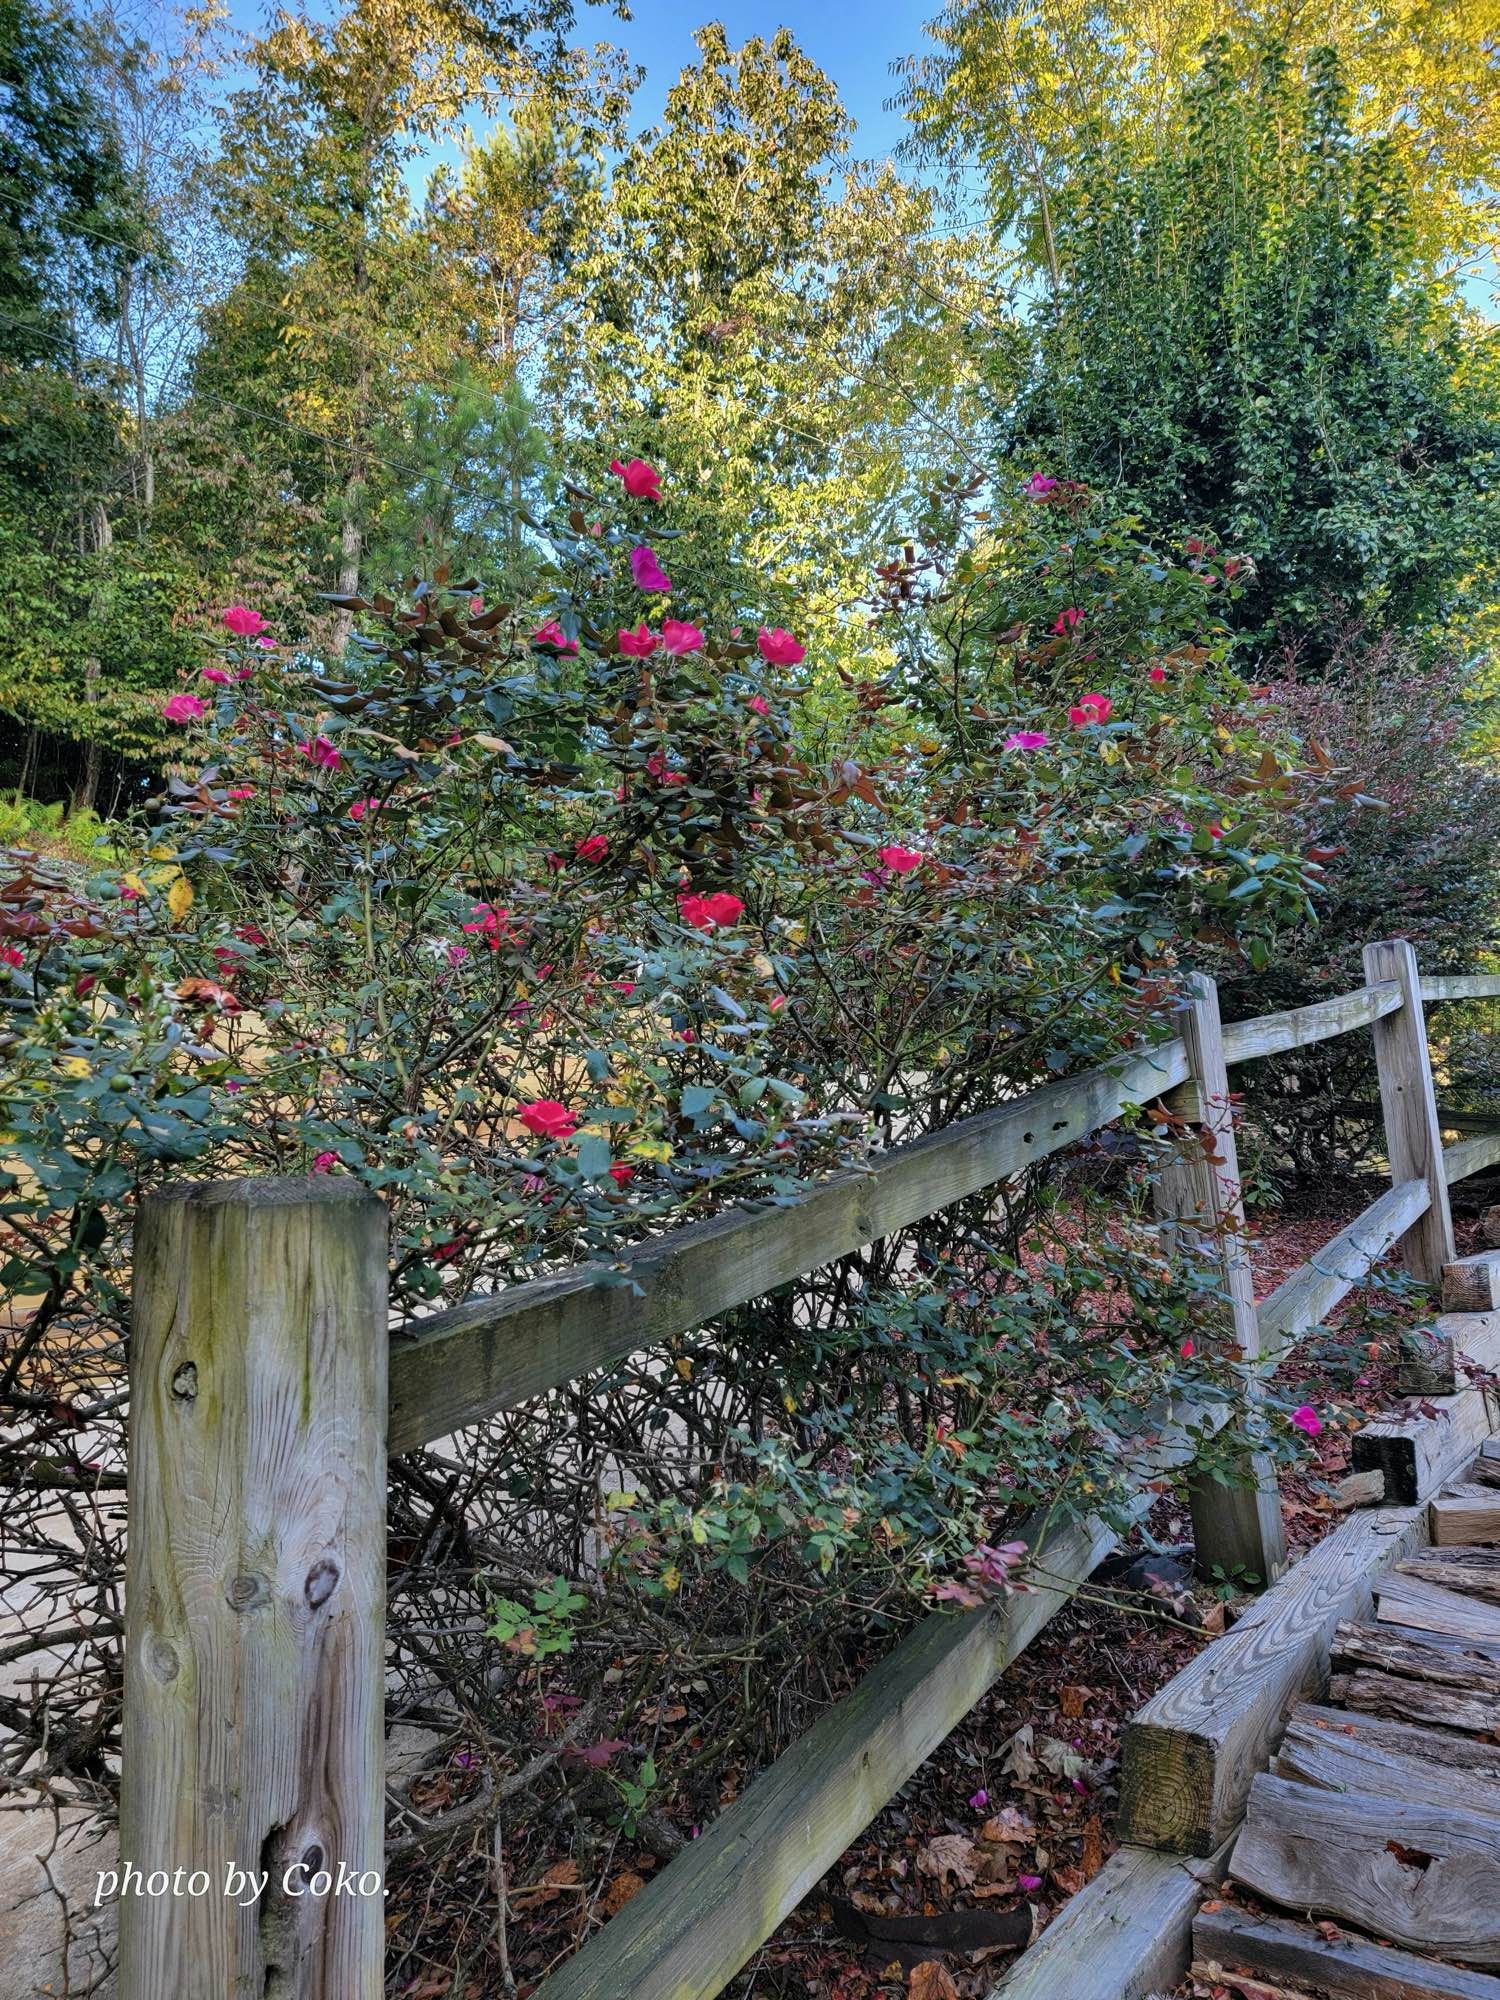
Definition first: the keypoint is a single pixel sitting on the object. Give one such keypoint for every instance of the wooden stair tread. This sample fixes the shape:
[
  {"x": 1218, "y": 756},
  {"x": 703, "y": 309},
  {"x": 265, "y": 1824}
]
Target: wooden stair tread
[
  {"x": 1402, "y": 1739},
  {"x": 1350, "y": 1967},
  {"x": 1427, "y": 1877},
  {"x": 1469, "y": 1568},
  {"x": 1402, "y": 1598},
  {"x": 1338, "y": 1757}
]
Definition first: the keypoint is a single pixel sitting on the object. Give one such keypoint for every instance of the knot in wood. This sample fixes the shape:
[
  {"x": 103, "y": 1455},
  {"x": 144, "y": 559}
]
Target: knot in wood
[
  {"x": 322, "y": 1581},
  {"x": 185, "y": 1382},
  {"x": 244, "y": 1592}
]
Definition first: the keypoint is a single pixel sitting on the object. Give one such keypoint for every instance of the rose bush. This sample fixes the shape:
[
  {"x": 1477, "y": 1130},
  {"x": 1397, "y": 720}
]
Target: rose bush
[{"x": 561, "y": 923}]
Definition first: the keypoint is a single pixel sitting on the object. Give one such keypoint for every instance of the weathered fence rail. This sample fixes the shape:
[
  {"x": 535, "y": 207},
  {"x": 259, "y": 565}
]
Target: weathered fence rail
[{"x": 260, "y": 1374}]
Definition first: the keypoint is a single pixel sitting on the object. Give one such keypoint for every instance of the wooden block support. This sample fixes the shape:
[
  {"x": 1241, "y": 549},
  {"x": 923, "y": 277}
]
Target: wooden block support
[
  {"x": 1418, "y": 1454},
  {"x": 1190, "y": 1754},
  {"x": 1464, "y": 1516},
  {"x": 1237, "y": 1528},
  {"x": 255, "y": 1595},
  {"x": 1413, "y": 1136},
  {"x": 1472, "y": 1285},
  {"x": 1444, "y": 1357}
]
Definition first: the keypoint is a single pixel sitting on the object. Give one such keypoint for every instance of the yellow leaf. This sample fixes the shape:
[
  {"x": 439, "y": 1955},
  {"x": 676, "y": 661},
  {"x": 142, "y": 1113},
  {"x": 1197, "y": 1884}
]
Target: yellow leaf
[
  {"x": 75, "y": 1066},
  {"x": 672, "y": 1577},
  {"x": 180, "y": 898}
]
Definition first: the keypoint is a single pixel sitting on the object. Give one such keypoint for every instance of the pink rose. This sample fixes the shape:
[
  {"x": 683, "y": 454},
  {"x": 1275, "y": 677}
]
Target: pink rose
[
  {"x": 548, "y": 1118},
  {"x": 552, "y": 634},
  {"x": 710, "y": 913},
  {"x": 320, "y": 752},
  {"x": 242, "y": 623},
  {"x": 1068, "y": 621},
  {"x": 1027, "y": 739},
  {"x": 647, "y": 571},
  {"x": 217, "y": 675},
  {"x": 1091, "y": 708},
  {"x": 183, "y": 708},
  {"x": 324, "y": 1161},
  {"x": 900, "y": 860},
  {"x": 779, "y": 647},
  {"x": 679, "y": 637},
  {"x": 758, "y": 705},
  {"x": 640, "y": 480},
  {"x": 594, "y": 848},
  {"x": 362, "y": 806},
  {"x": 1307, "y": 1420},
  {"x": 640, "y": 643},
  {"x": 1038, "y": 486}
]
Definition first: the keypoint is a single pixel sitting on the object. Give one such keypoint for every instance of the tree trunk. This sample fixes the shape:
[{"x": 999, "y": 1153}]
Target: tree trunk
[{"x": 86, "y": 791}]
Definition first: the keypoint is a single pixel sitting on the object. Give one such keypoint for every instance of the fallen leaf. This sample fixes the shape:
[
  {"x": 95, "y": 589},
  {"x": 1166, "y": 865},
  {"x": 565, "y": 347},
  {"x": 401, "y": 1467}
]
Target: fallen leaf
[
  {"x": 949, "y": 1854},
  {"x": 1008, "y": 1827},
  {"x": 620, "y": 1891},
  {"x": 553, "y": 1880},
  {"x": 1092, "y": 1859},
  {"x": 1071, "y": 1699},
  {"x": 931, "y": 1980},
  {"x": 1018, "y": 1757}
]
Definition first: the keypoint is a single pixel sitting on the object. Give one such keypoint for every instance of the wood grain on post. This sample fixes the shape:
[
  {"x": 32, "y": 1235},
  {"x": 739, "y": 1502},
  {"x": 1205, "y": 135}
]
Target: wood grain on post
[
  {"x": 1236, "y": 1528},
  {"x": 1408, "y": 1101},
  {"x": 255, "y": 1595}
]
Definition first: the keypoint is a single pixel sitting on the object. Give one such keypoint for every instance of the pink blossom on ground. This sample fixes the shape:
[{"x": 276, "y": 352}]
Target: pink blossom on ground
[
  {"x": 780, "y": 647},
  {"x": 10, "y": 956},
  {"x": 979, "y": 1800},
  {"x": 457, "y": 953},
  {"x": 1028, "y": 1882},
  {"x": 241, "y": 792}
]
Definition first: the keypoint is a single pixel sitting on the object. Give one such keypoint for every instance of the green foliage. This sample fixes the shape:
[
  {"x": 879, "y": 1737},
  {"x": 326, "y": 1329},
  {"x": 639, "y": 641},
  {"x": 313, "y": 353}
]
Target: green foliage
[{"x": 1242, "y": 335}]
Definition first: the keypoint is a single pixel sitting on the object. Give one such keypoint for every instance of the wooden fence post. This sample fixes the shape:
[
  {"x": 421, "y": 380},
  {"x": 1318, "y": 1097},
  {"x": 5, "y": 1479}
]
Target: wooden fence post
[
  {"x": 1408, "y": 1100},
  {"x": 1236, "y": 1528},
  {"x": 252, "y": 1783}
]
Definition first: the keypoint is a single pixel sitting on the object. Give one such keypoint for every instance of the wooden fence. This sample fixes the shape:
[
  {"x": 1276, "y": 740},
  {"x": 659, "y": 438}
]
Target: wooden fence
[{"x": 266, "y": 1392}]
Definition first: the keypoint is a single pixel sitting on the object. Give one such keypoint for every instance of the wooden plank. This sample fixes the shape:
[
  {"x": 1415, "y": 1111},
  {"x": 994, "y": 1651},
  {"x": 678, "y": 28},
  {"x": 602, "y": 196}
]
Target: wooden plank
[
  {"x": 1428, "y": 1607},
  {"x": 1346, "y": 1967},
  {"x": 1465, "y": 1517},
  {"x": 1469, "y": 1570},
  {"x": 1390, "y": 1736},
  {"x": 255, "y": 1591},
  {"x": 1189, "y": 1755},
  {"x": 1125, "y": 1935},
  {"x": 495, "y": 1352},
  {"x": 1342, "y": 1760},
  {"x": 1461, "y": 986},
  {"x": 1441, "y": 1657},
  {"x": 1423, "y": 1701},
  {"x": 1413, "y": 1137},
  {"x": 1472, "y": 1284},
  {"x": 1298, "y": 1027},
  {"x": 1427, "y": 1877},
  {"x": 1421, "y": 1452},
  {"x": 1470, "y": 1156},
  {"x": 1237, "y": 1525},
  {"x": 1313, "y": 1290}
]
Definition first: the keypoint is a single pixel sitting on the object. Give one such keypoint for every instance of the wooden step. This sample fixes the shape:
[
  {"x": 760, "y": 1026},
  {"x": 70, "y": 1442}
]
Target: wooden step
[
  {"x": 1427, "y": 1877},
  {"x": 1470, "y": 1570},
  {"x": 1338, "y": 1757},
  {"x": 1472, "y": 1284},
  {"x": 1348, "y": 1967},
  {"x": 1416, "y": 1676},
  {"x": 1403, "y": 1739},
  {"x": 1404, "y": 1599}
]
